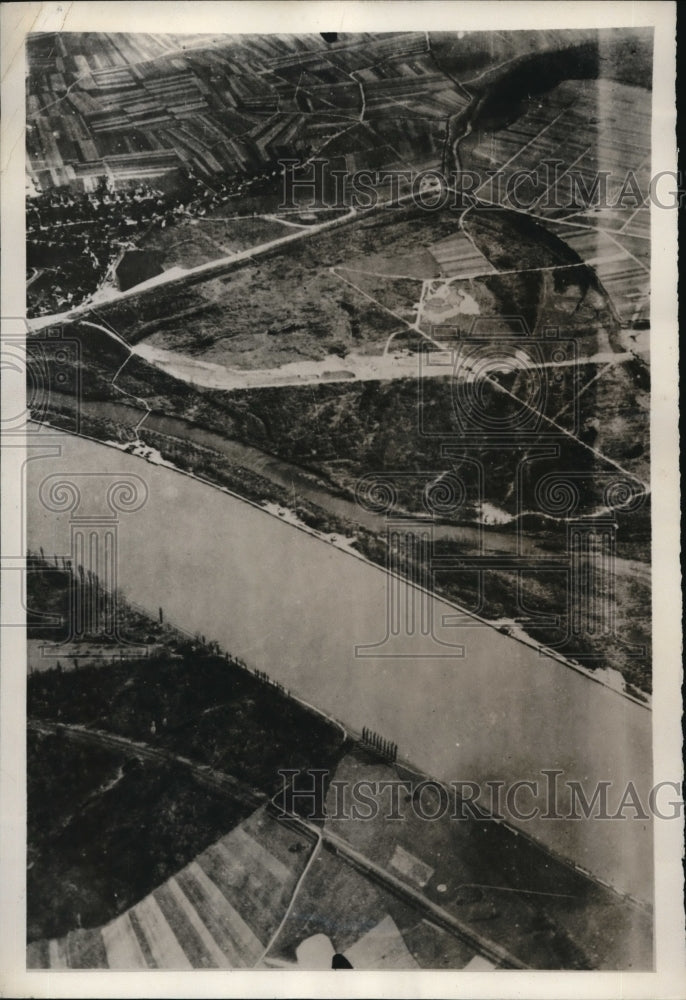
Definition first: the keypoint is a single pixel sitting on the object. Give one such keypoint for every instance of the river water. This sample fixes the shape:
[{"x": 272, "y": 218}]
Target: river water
[
  {"x": 305, "y": 485},
  {"x": 463, "y": 703}
]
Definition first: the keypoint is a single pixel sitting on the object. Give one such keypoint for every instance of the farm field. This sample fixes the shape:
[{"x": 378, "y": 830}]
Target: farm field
[
  {"x": 263, "y": 896},
  {"x": 620, "y": 259},
  {"x": 154, "y": 106},
  {"x": 587, "y": 126},
  {"x": 137, "y": 743},
  {"x": 86, "y": 808},
  {"x": 458, "y": 257},
  {"x": 434, "y": 393},
  {"x": 520, "y": 899},
  {"x": 218, "y": 911}
]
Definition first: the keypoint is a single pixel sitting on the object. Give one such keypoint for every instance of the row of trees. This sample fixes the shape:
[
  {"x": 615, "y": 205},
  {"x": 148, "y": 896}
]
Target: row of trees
[{"x": 385, "y": 748}]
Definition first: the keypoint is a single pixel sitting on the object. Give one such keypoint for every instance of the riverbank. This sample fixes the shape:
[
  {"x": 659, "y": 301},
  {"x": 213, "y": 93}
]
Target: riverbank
[
  {"x": 350, "y": 543},
  {"x": 290, "y": 599}
]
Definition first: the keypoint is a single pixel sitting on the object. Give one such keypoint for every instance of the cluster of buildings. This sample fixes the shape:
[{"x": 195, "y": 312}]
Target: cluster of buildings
[
  {"x": 125, "y": 132},
  {"x": 73, "y": 238}
]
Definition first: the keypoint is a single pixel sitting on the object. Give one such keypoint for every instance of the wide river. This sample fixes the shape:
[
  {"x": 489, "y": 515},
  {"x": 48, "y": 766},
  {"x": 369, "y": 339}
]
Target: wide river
[{"x": 465, "y": 703}]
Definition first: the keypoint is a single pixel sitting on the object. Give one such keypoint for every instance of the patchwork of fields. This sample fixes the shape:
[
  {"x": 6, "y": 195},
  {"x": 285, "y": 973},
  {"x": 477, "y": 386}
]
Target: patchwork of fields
[
  {"x": 493, "y": 349},
  {"x": 283, "y": 895},
  {"x": 218, "y": 912},
  {"x": 104, "y": 105}
]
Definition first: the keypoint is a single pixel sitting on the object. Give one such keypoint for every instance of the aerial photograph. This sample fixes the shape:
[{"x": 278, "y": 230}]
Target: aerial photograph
[{"x": 338, "y": 513}]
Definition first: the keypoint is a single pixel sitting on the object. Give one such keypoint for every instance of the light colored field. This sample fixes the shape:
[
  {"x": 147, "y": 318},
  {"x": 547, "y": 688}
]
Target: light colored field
[
  {"x": 121, "y": 945},
  {"x": 410, "y": 866},
  {"x": 590, "y": 126},
  {"x": 382, "y": 947},
  {"x": 458, "y": 257},
  {"x": 189, "y": 930},
  {"x": 57, "y": 952},
  {"x": 231, "y": 932},
  {"x": 218, "y": 912},
  {"x": 478, "y": 964},
  {"x": 165, "y": 950},
  {"x": 41, "y": 655}
]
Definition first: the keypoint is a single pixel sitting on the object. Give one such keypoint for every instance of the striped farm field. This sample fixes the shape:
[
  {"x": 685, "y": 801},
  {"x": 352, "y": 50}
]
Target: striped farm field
[
  {"x": 219, "y": 912},
  {"x": 458, "y": 257},
  {"x": 588, "y": 126},
  {"x": 621, "y": 263}
]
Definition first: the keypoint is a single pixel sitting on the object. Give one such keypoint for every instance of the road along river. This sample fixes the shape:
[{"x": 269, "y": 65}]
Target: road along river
[{"x": 463, "y": 703}]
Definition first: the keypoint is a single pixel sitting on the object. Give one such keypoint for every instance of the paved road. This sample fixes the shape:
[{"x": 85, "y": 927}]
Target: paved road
[
  {"x": 252, "y": 797},
  {"x": 194, "y": 275},
  {"x": 482, "y": 945}
]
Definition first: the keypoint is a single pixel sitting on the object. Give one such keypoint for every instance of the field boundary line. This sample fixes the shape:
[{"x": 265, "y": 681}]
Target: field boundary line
[{"x": 296, "y": 889}]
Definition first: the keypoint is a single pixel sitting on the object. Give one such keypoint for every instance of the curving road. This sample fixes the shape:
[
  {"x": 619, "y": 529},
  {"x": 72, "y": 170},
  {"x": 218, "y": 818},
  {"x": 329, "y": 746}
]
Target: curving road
[{"x": 205, "y": 774}]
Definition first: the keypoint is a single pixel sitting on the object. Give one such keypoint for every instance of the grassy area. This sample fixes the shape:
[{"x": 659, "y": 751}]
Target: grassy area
[
  {"x": 285, "y": 305},
  {"x": 196, "y": 241},
  {"x": 338, "y": 901},
  {"x": 87, "y": 808},
  {"x": 258, "y": 866},
  {"x": 546, "y": 594},
  {"x": 204, "y": 706},
  {"x": 340, "y": 432},
  {"x": 502, "y": 885}
]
